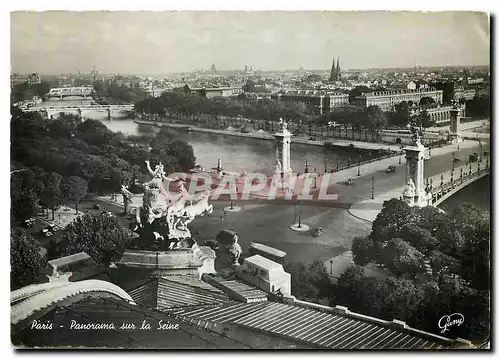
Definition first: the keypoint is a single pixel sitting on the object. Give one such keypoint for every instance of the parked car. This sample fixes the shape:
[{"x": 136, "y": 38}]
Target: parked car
[
  {"x": 350, "y": 182},
  {"x": 53, "y": 228},
  {"x": 316, "y": 232},
  {"x": 391, "y": 169},
  {"x": 46, "y": 232},
  {"x": 28, "y": 223}
]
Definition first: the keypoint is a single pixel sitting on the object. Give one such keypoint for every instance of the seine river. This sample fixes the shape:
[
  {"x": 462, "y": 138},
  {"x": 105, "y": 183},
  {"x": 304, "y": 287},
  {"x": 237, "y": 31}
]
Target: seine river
[{"x": 242, "y": 154}]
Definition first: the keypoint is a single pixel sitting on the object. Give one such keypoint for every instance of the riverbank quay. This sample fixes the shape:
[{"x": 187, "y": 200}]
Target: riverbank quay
[{"x": 263, "y": 135}]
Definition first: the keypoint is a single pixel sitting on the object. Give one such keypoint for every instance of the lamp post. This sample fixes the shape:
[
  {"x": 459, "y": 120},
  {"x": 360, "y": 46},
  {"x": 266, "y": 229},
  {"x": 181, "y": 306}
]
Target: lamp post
[
  {"x": 451, "y": 178},
  {"x": 480, "y": 151},
  {"x": 299, "y": 213},
  {"x": 359, "y": 166},
  {"x": 373, "y": 187}
]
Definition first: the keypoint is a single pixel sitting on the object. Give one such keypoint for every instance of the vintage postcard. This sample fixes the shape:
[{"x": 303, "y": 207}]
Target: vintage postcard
[{"x": 250, "y": 180}]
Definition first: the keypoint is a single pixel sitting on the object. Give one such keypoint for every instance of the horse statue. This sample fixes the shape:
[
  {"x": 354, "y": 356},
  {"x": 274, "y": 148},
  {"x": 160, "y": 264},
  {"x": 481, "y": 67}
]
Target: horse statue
[{"x": 198, "y": 209}]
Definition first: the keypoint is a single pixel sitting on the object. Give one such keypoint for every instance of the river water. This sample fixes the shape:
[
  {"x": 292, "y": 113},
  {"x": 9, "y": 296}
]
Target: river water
[{"x": 242, "y": 154}]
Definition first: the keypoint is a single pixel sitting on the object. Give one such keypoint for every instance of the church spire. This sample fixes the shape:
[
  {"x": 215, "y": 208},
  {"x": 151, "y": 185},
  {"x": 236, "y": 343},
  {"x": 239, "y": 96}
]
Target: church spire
[
  {"x": 333, "y": 72},
  {"x": 338, "y": 66}
]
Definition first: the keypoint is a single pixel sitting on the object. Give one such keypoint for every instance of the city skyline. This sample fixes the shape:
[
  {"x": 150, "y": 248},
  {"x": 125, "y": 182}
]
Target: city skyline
[{"x": 172, "y": 42}]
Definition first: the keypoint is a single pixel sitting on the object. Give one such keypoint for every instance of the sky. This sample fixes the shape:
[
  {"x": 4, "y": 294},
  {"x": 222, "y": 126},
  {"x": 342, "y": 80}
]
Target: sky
[{"x": 56, "y": 42}]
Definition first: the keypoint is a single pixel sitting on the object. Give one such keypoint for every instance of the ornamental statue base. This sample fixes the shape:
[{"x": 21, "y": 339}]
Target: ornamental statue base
[{"x": 193, "y": 261}]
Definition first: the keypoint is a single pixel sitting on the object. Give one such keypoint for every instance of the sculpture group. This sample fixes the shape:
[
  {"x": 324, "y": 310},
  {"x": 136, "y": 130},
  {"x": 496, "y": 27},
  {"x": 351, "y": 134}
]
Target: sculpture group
[{"x": 168, "y": 214}]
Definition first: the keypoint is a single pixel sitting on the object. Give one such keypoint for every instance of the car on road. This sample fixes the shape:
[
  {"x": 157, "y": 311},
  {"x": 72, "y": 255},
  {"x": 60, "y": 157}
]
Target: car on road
[
  {"x": 46, "y": 232},
  {"x": 350, "y": 181},
  {"x": 391, "y": 169},
  {"x": 53, "y": 228},
  {"x": 28, "y": 223},
  {"x": 316, "y": 232}
]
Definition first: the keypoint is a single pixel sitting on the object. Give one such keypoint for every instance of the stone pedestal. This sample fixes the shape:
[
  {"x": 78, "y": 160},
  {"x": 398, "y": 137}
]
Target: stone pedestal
[
  {"x": 455, "y": 132},
  {"x": 283, "y": 140},
  {"x": 415, "y": 172},
  {"x": 193, "y": 261}
]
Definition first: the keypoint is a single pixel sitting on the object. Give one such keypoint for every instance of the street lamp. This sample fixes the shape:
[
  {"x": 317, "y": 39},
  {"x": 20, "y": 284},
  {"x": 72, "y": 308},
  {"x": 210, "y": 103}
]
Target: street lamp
[
  {"x": 299, "y": 213},
  {"x": 481, "y": 151},
  {"x": 373, "y": 187}
]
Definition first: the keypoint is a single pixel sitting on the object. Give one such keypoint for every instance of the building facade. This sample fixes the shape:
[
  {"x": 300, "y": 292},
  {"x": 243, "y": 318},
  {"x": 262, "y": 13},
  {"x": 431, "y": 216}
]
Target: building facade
[
  {"x": 461, "y": 93},
  {"x": 210, "y": 92},
  {"x": 387, "y": 99},
  {"x": 442, "y": 114},
  {"x": 319, "y": 103}
]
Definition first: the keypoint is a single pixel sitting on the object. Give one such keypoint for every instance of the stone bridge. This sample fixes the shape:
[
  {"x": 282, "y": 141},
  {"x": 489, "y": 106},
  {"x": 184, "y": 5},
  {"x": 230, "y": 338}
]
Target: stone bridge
[
  {"x": 81, "y": 111},
  {"x": 458, "y": 180}
]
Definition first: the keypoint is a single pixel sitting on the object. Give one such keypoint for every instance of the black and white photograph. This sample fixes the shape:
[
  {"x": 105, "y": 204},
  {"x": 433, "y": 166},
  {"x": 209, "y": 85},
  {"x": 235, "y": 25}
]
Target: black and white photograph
[{"x": 250, "y": 180}]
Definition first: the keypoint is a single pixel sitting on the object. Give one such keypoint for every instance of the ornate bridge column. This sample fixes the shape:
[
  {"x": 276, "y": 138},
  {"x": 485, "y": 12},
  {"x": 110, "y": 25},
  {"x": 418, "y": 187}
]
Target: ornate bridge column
[
  {"x": 414, "y": 193},
  {"x": 283, "y": 140},
  {"x": 455, "y": 132}
]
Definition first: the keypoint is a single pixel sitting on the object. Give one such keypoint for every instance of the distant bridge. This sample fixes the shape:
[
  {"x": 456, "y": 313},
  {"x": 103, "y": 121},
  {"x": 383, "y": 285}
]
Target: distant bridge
[
  {"x": 70, "y": 91},
  {"x": 50, "y": 111}
]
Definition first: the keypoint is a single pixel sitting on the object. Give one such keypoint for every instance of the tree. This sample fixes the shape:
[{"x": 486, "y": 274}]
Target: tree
[
  {"x": 51, "y": 195},
  {"x": 395, "y": 214},
  {"x": 426, "y": 101},
  {"x": 403, "y": 259},
  {"x": 26, "y": 263},
  {"x": 362, "y": 250},
  {"x": 101, "y": 236},
  {"x": 75, "y": 188},
  {"x": 419, "y": 238},
  {"x": 24, "y": 202}
]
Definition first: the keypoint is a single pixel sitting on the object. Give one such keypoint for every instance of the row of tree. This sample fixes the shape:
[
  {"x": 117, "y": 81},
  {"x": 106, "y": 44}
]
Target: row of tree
[
  {"x": 62, "y": 160},
  {"x": 193, "y": 105}
]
